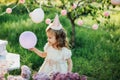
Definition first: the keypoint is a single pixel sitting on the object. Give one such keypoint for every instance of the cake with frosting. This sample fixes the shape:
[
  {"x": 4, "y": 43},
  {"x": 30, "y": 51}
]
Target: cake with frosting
[
  {"x": 3, "y": 53},
  {"x": 8, "y": 61}
]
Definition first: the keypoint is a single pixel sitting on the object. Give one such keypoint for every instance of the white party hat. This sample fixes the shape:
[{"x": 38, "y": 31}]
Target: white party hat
[{"x": 56, "y": 24}]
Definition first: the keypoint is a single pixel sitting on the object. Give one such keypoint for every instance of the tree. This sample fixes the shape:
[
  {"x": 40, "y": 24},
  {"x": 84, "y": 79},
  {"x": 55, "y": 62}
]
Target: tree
[
  {"x": 77, "y": 8},
  {"x": 74, "y": 9}
]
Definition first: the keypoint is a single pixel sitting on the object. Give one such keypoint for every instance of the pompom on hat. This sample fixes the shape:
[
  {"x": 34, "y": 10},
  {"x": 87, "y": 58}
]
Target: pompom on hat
[{"x": 56, "y": 24}]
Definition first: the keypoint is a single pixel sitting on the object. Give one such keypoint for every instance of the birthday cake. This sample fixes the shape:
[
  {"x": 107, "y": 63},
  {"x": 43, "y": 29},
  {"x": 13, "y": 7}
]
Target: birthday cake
[
  {"x": 8, "y": 61},
  {"x": 3, "y": 53}
]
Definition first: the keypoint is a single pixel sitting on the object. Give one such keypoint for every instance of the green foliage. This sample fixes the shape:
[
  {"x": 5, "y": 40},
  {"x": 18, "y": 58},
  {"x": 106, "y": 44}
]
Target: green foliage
[
  {"x": 83, "y": 8},
  {"x": 96, "y": 53}
]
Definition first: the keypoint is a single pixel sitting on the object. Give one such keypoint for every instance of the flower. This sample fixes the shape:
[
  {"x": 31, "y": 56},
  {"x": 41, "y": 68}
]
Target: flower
[
  {"x": 66, "y": 76},
  {"x": 64, "y": 12},
  {"x": 47, "y": 21},
  {"x": 80, "y": 22},
  {"x": 1, "y": 77},
  {"x": 83, "y": 77},
  {"x": 22, "y": 1},
  {"x": 106, "y": 14},
  {"x": 74, "y": 6},
  {"x": 95, "y": 27},
  {"x": 40, "y": 76},
  {"x": 25, "y": 72},
  {"x": 9, "y": 10},
  {"x": 115, "y": 2}
]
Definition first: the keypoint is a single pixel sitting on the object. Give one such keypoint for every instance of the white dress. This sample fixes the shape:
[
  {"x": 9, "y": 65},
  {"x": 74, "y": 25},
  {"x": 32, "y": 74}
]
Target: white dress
[{"x": 55, "y": 60}]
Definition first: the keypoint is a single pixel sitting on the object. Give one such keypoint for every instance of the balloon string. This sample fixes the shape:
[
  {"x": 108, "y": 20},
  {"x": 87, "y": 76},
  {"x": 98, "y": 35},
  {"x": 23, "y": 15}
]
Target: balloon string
[
  {"x": 2, "y": 13},
  {"x": 27, "y": 8},
  {"x": 15, "y": 6},
  {"x": 40, "y": 4},
  {"x": 11, "y": 8}
]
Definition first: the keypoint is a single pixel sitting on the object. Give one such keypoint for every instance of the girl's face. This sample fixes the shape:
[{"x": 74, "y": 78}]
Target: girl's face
[{"x": 51, "y": 38}]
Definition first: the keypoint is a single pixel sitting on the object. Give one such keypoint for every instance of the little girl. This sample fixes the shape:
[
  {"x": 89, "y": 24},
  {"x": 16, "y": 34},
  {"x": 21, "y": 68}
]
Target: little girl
[{"x": 56, "y": 52}]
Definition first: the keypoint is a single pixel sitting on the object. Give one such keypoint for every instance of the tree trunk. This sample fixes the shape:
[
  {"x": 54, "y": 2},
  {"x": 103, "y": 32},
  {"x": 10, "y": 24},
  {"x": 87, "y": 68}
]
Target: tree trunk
[
  {"x": 73, "y": 29},
  {"x": 73, "y": 34}
]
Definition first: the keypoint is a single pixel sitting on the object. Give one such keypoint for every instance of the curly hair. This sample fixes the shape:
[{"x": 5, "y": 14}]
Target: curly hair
[{"x": 61, "y": 37}]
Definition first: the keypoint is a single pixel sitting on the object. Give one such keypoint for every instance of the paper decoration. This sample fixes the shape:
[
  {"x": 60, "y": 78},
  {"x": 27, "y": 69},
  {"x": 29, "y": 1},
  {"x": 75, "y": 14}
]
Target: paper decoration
[
  {"x": 37, "y": 15},
  {"x": 28, "y": 39}
]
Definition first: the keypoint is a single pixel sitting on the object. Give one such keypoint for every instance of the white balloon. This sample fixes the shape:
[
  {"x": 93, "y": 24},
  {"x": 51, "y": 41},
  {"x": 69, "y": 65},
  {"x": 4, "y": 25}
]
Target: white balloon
[
  {"x": 37, "y": 15},
  {"x": 27, "y": 39}
]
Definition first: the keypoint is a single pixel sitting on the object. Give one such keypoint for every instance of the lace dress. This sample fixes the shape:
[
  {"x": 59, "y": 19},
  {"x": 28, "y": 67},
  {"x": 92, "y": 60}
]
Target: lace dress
[{"x": 55, "y": 60}]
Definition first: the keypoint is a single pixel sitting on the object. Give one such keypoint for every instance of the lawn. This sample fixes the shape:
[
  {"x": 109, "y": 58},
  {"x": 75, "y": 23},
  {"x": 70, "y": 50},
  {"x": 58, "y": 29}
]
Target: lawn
[{"x": 96, "y": 53}]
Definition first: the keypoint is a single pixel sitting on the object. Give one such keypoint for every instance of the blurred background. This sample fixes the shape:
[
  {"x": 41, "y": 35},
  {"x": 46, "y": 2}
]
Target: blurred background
[{"x": 93, "y": 28}]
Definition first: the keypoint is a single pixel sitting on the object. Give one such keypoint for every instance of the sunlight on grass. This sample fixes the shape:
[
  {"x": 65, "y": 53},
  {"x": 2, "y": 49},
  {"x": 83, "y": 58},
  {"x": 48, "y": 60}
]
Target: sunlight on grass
[
  {"x": 20, "y": 23},
  {"x": 115, "y": 19}
]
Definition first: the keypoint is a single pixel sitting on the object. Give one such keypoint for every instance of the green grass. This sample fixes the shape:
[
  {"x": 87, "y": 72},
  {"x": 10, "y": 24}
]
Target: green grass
[{"x": 96, "y": 53}]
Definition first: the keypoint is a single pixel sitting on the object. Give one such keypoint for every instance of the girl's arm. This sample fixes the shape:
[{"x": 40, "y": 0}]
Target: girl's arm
[
  {"x": 39, "y": 53},
  {"x": 70, "y": 64}
]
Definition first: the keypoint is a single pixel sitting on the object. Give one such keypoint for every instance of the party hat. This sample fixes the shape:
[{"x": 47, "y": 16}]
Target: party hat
[{"x": 56, "y": 24}]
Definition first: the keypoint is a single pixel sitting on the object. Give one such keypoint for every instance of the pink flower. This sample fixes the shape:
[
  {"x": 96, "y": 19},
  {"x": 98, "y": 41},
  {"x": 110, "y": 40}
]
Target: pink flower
[
  {"x": 1, "y": 77},
  {"x": 95, "y": 27},
  {"x": 106, "y": 14},
  {"x": 83, "y": 77},
  {"x": 115, "y": 2},
  {"x": 74, "y": 6},
  {"x": 47, "y": 21},
  {"x": 64, "y": 12},
  {"x": 80, "y": 22},
  {"x": 40, "y": 76},
  {"x": 8, "y": 10},
  {"x": 22, "y": 1},
  {"x": 25, "y": 72}
]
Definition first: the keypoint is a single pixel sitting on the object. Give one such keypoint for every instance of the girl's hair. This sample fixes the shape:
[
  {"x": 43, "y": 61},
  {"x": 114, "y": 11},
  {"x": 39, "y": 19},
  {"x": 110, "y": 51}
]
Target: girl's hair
[{"x": 61, "y": 37}]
